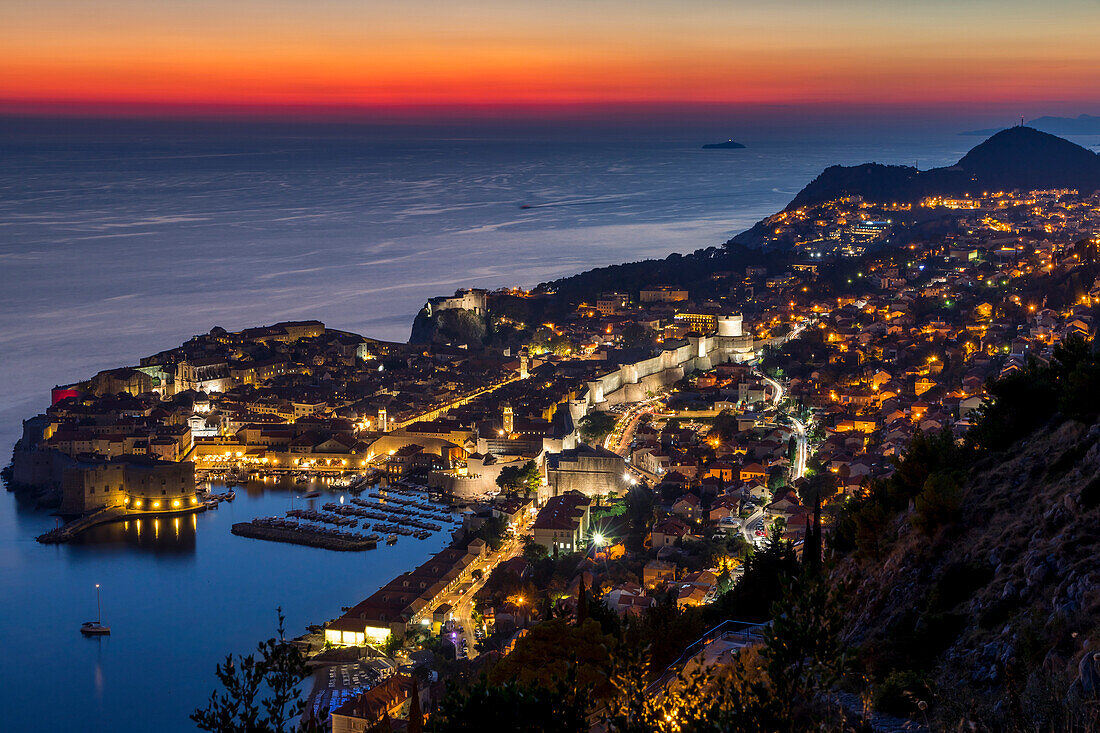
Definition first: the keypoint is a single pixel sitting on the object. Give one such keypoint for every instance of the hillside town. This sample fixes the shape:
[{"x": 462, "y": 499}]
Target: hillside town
[{"x": 638, "y": 449}]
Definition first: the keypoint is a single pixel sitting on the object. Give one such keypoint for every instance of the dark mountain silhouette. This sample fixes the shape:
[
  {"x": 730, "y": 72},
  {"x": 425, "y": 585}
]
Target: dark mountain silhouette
[
  {"x": 871, "y": 180},
  {"x": 1025, "y": 158},
  {"x": 1017, "y": 158}
]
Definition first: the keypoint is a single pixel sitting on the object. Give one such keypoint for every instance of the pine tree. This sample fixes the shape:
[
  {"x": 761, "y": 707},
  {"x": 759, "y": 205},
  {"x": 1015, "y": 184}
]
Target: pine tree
[{"x": 276, "y": 670}]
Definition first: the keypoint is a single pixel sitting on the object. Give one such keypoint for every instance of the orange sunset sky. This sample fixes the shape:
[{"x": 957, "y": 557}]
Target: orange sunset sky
[{"x": 339, "y": 53}]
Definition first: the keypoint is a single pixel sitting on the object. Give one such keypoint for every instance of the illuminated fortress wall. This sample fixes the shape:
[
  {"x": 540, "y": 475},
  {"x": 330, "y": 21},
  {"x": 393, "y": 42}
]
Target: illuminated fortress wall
[{"x": 631, "y": 382}]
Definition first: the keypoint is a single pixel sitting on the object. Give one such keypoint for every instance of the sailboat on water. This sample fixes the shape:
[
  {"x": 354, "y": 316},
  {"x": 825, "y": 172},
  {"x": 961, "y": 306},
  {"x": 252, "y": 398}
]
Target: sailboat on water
[{"x": 96, "y": 628}]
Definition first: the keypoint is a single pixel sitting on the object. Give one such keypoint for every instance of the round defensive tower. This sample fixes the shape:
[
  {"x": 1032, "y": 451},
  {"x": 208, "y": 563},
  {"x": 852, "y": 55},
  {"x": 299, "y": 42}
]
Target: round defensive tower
[{"x": 729, "y": 325}]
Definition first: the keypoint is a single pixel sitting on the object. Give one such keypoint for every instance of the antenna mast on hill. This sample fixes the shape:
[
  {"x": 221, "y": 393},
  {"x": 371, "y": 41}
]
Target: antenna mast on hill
[{"x": 1021, "y": 120}]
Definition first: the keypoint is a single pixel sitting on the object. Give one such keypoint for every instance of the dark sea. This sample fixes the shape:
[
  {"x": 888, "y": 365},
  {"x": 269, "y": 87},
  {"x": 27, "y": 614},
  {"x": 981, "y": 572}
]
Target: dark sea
[{"x": 117, "y": 241}]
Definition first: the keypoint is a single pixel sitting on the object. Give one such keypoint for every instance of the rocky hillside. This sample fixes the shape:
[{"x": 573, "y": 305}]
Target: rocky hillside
[
  {"x": 448, "y": 326},
  {"x": 1017, "y": 158},
  {"x": 995, "y": 615}
]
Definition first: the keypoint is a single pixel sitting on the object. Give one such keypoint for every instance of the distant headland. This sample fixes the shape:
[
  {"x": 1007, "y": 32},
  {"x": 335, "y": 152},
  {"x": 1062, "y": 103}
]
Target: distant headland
[
  {"x": 727, "y": 145},
  {"x": 1018, "y": 158},
  {"x": 1079, "y": 125}
]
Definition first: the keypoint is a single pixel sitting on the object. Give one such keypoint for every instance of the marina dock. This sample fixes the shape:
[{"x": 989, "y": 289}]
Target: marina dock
[{"x": 305, "y": 535}]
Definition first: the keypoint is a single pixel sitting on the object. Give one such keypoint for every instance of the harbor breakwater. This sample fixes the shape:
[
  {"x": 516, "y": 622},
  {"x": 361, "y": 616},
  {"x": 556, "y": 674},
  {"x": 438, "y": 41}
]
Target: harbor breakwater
[{"x": 303, "y": 536}]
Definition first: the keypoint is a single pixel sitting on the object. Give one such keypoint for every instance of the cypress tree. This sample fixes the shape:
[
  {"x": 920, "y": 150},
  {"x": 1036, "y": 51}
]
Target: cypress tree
[
  {"x": 582, "y": 602},
  {"x": 416, "y": 718},
  {"x": 811, "y": 552}
]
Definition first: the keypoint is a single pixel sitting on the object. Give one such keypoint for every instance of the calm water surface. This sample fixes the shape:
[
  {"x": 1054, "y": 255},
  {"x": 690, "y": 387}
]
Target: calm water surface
[{"x": 178, "y": 594}]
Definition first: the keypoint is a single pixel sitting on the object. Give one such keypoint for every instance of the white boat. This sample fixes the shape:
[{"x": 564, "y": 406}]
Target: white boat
[{"x": 96, "y": 628}]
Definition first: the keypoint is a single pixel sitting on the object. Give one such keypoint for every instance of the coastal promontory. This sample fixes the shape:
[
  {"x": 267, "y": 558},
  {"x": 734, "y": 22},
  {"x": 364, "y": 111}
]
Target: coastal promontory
[{"x": 1016, "y": 159}]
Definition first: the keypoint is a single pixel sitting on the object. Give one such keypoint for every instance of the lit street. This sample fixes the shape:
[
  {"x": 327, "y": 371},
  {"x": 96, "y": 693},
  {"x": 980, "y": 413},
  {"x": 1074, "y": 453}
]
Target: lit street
[
  {"x": 462, "y": 601},
  {"x": 620, "y": 438},
  {"x": 798, "y": 468}
]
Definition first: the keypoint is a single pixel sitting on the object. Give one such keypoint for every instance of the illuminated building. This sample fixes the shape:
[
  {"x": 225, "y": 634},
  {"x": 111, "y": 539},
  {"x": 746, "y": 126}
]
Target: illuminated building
[
  {"x": 562, "y": 524},
  {"x": 470, "y": 299},
  {"x": 136, "y": 483},
  {"x": 662, "y": 294},
  {"x": 701, "y": 322},
  {"x": 609, "y": 304},
  {"x": 866, "y": 232},
  {"x": 591, "y": 471},
  {"x": 406, "y": 599}
]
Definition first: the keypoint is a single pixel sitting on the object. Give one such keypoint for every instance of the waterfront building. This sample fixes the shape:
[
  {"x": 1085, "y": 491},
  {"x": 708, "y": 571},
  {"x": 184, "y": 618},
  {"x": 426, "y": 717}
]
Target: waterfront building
[
  {"x": 407, "y": 600},
  {"x": 133, "y": 483},
  {"x": 479, "y": 474}
]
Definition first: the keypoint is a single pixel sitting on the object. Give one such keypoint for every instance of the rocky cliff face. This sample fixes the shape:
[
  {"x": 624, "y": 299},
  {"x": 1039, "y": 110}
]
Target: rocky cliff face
[
  {"x": 449, "y": 326},
  {"x": 996, "y": 618}
]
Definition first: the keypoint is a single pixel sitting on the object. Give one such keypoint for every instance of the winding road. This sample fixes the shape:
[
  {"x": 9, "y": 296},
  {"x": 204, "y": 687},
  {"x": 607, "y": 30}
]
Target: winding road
[{"x": 798, "y": 470}]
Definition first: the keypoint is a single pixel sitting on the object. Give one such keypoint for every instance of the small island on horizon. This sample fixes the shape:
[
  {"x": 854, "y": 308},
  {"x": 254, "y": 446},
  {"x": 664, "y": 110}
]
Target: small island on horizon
[{"x": 727, "y": 145}]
